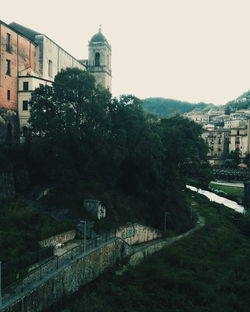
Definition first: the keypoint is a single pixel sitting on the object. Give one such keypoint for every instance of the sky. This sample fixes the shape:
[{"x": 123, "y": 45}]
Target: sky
[{"x": 189, "y": 50}]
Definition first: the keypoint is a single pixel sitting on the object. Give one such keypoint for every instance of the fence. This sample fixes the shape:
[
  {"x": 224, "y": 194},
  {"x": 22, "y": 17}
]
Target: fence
[
  {"x": 18, "y": 266},
  {"x": 55, "y": 263}
]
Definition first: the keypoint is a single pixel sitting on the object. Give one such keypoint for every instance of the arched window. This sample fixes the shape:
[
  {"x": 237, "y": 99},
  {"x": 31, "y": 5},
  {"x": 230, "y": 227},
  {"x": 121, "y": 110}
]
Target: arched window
[{"x": 97, "y": 59}]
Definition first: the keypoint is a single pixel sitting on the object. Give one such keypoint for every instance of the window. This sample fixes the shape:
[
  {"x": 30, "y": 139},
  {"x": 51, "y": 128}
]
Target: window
[
  {"x": 40, "y": 85},
  {"x": 8, "y": 43},
  {"x": 97, "y": 59},
  {"x": 8, "y": 95},
  {"x": 50, "y": 68},
  {"x": 7, "y": 67},
  {"x": 25, "y": 105},
  {"x": 25, "y": 86}
]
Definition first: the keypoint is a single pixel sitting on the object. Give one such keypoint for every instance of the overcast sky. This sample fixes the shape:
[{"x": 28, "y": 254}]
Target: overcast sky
[{"x": 193, "y": 50}]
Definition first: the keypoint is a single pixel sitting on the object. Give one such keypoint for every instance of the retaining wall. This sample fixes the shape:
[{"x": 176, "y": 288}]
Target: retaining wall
[
  {"x": 69, "y": 278},
  {"x": 83, "y": 269},
  {"x": 133, "y": 233},
  {"x": 58, "y": 239}
]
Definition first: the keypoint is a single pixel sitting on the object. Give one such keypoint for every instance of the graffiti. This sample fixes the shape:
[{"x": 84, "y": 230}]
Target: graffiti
[{"x": 129, "y": 233}]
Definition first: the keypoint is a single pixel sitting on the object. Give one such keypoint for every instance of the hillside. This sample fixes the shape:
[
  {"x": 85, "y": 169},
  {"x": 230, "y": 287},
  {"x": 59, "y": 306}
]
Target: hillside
[
  {"x": 241, "y": 102},
  {"x": 166, "y": 107}
]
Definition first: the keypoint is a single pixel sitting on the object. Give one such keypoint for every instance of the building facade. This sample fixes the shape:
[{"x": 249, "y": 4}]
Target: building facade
[{"x": 29, "y": 59}]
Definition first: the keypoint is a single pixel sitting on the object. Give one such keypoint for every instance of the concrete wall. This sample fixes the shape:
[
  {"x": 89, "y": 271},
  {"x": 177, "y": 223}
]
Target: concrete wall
[
  {"x": 58, "y": 239},
  {"x": 69, "y": 279},
  {"x": 136, "y": 233}
]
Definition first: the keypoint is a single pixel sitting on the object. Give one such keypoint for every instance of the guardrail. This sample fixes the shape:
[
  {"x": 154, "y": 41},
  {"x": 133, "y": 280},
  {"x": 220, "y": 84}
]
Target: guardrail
[{"x": 54, "y": 264}]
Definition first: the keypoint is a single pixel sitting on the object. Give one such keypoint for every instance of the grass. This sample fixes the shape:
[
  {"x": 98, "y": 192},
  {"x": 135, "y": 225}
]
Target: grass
[
  {"x": 206, "y": 271},
  {"x": 230, "y": 190},
  {"x": 22, "y": 227}
]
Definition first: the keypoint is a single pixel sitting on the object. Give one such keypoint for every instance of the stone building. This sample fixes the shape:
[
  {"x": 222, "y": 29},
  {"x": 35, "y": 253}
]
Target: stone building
[{"x": 29, "y": 59}]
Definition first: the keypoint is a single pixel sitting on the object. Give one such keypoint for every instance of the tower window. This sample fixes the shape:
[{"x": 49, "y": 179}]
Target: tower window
[
  {"x": 7, "y": 67},
  {"x": 50, "y": 68},
  {"x": 25, "y": 86},
  {"x": 25, "y": 105},
  {"x": 97, "y": 59},
  {"x": 108, "y": 61},
  {"x": 8, "y": 43},
  {"x": 8, "y": 95}
]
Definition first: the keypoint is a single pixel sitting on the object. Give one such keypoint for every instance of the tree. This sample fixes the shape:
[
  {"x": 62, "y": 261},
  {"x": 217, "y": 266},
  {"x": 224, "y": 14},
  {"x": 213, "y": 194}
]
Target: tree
[{"x": 184, "y": 149}]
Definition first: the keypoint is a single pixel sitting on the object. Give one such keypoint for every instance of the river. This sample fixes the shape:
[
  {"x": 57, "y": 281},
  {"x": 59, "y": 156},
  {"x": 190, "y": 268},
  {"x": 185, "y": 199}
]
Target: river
[{"x": 218, "y": 199}]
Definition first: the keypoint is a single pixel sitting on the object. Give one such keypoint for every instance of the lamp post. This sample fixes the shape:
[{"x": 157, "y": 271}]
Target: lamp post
[
  {"x": 1, "y": 301},
  {"x": 84, "y": 235},
  {"x": 165, "y": 221}
]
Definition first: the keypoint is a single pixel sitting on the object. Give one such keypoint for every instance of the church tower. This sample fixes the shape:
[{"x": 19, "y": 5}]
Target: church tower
[{"x": 99, "y": 63}]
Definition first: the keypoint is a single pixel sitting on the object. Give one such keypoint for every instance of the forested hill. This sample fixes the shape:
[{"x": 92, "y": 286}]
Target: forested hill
[
  {"x": 242, "y": 102},
  {"x": 166, "y": 107}
]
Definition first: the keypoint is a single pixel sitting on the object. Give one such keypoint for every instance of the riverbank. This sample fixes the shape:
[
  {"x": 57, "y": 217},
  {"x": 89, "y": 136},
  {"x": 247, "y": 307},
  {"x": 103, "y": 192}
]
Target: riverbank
[
  {"x": 231, "y": 191},
  {"x": 206, "y": 271}
]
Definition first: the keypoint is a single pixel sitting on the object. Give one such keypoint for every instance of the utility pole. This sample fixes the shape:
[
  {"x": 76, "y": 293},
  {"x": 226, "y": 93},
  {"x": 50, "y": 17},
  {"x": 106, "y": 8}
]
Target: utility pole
[
  {"x": 1, "y": 300},
  {"x": 84, "y": 235}
]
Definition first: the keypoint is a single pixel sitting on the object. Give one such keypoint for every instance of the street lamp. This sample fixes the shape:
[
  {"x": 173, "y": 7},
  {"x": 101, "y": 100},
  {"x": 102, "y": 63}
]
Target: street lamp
[
  {"x": 84, "y": 235},
  {"x": 165, "y": 220},
  {"x": 1, "y": 284}
]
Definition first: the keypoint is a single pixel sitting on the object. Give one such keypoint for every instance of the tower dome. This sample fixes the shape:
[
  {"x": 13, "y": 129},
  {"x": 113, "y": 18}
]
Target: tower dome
[{"x": 98, "y": 37}]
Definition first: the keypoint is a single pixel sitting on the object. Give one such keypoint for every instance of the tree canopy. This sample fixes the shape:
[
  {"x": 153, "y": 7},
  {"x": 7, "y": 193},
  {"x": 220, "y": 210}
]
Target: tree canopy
[{"x": 80, "y": 132}]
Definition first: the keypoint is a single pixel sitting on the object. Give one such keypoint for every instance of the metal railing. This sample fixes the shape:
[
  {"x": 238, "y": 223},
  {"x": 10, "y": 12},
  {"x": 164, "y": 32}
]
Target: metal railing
[{"x": 55, "y": 263}]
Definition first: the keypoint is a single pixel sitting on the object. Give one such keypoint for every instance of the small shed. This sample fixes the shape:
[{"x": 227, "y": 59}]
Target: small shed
[{"x": 95, "y": 207}]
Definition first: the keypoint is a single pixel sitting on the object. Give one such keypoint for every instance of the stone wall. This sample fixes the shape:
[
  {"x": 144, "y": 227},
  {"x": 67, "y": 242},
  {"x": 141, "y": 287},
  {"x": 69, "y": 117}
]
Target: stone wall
[
  {"x": 58, "y": 239},
  {"x": 83, "y": 269},
  {"x": 69, "y": 278},
  {"x": 133, "y": 233}
]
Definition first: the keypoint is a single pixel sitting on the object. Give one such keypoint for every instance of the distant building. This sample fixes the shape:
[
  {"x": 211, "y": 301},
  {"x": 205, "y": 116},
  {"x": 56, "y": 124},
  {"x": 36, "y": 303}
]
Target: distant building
[{"x": 218, "y": 143}]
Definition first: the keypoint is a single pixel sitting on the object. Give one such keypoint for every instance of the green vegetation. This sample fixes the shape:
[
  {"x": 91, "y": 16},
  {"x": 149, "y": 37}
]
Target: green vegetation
[
  {"x": 166, "y": 107},
  {"x": 21, "y": 228},
  {"x": 91, "y": 145},
  {"x": 242, "y": 102},
  {"x": 86, "y": 144},
  {"x": 205, "y": 272},
  {"x": 231, "y": 190}
]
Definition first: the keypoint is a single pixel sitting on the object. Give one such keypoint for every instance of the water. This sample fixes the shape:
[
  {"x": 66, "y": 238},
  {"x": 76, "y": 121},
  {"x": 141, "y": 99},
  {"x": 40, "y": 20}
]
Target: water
[{"x": 218, "y": 199}]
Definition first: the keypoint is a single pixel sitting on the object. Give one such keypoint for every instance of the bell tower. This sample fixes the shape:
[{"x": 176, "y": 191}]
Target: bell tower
[{"x": 99, "y": 63}]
